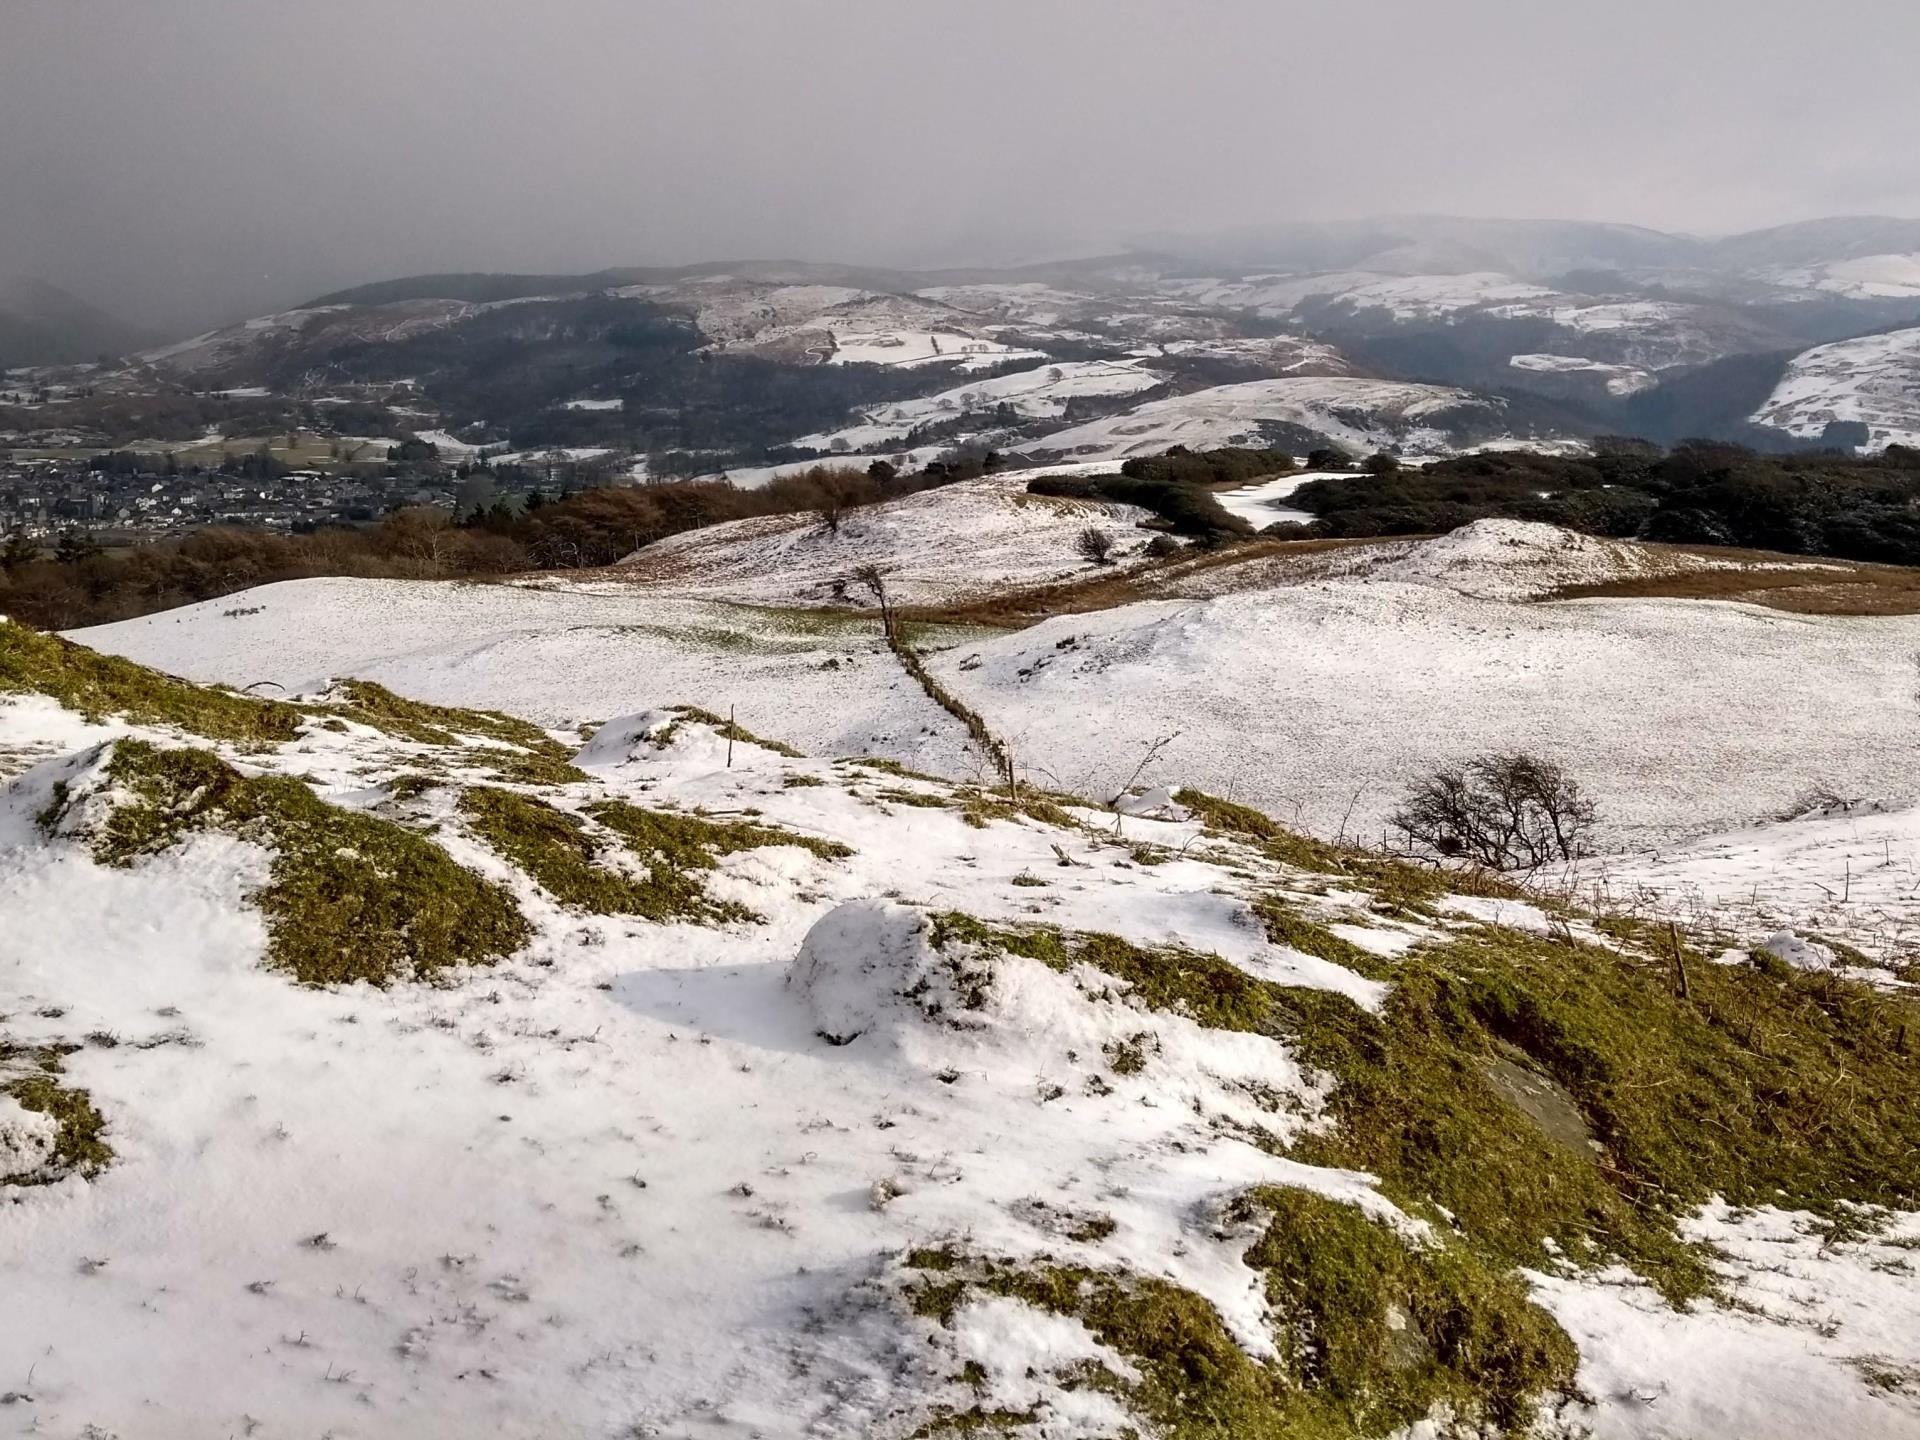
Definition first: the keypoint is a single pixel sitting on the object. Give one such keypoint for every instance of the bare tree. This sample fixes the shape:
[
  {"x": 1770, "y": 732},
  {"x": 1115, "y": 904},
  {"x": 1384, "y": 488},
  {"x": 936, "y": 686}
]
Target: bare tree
[
  {"x": 1507, "y": 812},
  {"x": 1095, "y": 545}
]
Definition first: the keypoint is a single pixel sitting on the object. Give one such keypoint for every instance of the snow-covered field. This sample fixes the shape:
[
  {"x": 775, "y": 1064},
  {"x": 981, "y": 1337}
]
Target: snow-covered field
[
  {"x": 1619, "y": 379},
  {"x": 1874, "y": 380},
  {"x": 1361, "y": 414},
  {"x": 1319, "y": 695},
  {"x": 1320, "y": 702},
  {"x": 563, "y": 657}
]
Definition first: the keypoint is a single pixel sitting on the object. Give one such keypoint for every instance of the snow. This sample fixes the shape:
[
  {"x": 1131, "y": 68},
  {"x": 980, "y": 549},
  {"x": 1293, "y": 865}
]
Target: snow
[
  {"x": 1849, "y": 871},
  {"x": 1621, "y": 380},
  {"x": 1038, "y": 394},
  {"x": 1321, "y": 702},
  {"x": 1523, "y": 560},
  {"x": 1360, "y": 414},
  {"x": 901, "y": 347},
  {"x": 1259, "y": 505},
  {"x": 614, "y": 404},
  {"x": 1425, "y": 297},
  {"x": 663, "y": 1179},
  {"x": 561, "y": 656},
  {"x": 1787, "y": 1370},
  {"x": 1874, "y": 379},
  {"x": 1865, "y": 277},
  {"x": 26, "y": 1139},
  {"x": 619, "y": 1181},
  {"x": 935, "y": 547}
]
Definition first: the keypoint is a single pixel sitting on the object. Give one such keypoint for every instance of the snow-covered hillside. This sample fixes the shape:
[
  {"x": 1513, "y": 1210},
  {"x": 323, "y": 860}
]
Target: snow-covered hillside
[
  {"x": 936, "y": 547},
  {"x": 1874, "y": 380},
  {"x": 564, "y": 657},
  {"x": 376, "y": 1069},
  {"x": 1042, "y": 393},
  {"x": 1318, "y": 689},
  {"x": 1360, "y": 414}
]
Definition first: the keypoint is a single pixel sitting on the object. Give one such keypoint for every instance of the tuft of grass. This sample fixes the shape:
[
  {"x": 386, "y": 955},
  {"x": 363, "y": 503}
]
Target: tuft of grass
[
  {"x": 693, "y": 842},
  {"x": 978, "y": 807},
  {"x": 520, "y": 751},
  {"x": 79, "y": 1146},
  {"x": 102, "y": 687},
  {"x": 801, "y": 782},
  {"x": 917, "y": 799},
  {"x": 349, "y": 896},
  {"x": 1374, "y": 1336},
  {"x": 1762, "y": 1087},
  {"x": 563, "y": 856}
]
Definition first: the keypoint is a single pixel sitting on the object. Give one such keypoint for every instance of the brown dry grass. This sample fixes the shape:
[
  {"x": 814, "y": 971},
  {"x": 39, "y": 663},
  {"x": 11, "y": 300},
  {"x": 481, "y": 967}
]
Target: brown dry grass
[
  {"x": 1104, "y": 589},
  {"x": 1800, "y": 584}
]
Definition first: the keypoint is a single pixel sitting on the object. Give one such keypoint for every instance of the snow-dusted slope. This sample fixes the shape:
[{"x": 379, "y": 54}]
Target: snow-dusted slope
[
  {"x": 1041, "y": 393},
  {"x": 562, "y": 657},
  {"x": 934, "y": 547},
  {"x": 1324, "y": 701},
  {"x": 1874, "y": 380},
  {"x": 742, "y": 1168},
  {"x": 1361, "y": 414}
]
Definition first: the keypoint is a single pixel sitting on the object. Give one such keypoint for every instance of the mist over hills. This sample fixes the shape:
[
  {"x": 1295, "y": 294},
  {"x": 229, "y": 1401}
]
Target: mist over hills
[{"x": 41, "y": 324}]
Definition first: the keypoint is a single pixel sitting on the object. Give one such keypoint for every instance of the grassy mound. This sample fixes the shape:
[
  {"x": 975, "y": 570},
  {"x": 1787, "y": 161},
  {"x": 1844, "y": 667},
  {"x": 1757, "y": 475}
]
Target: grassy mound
[
  {"x": 350, "y": 897},
  {"x": 727, "y": 729},
  {"x": 101, "y": 687},
  {"x": 564, "y": 854},
  {"x": 1759, "y": 1085},
  {"x": 1373, "y": 1334}
]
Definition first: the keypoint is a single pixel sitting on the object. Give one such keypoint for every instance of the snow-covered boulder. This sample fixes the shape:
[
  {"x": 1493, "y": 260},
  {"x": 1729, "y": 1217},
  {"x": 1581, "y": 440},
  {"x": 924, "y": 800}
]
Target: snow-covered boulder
[
  {"x": 1801, "y": 954},
  {"x": 857, "y": 963}
]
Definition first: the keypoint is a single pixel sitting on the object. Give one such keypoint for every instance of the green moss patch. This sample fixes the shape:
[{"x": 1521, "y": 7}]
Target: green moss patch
[
  {"x": 350, "y": 896},
  {"x": 1202, "y": 987},
  {"x": 79, "y": 1146},
  {"x": 519, "y": 751},
  {"x": 1286, "y": 926},
  {"x": 1764, "y": 1088},
  {"x": 101, "y": 687},
  {"x": 1398, "y": 886},
  {"x": 1372, "y": 1335},
  {"x": 565, "y": 855},
  {"x": 694, "y": 842}
]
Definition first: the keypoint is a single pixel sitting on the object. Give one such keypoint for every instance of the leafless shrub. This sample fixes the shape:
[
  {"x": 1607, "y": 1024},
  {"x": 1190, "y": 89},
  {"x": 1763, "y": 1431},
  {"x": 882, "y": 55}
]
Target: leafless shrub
[
  {"x": 1095, "y": 545},
  {"x": 1507, "y": 812}
]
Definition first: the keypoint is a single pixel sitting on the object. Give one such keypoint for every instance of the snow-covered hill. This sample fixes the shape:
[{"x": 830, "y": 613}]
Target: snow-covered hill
[
  {"x": 940, "y": 546},
  {"x": 380, "y": 1069},
  {"x": 1360, "y": 414},
  {"x": 1874, "y": 381}
]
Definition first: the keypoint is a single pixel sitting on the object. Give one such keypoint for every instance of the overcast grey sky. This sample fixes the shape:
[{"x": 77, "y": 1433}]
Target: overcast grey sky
[{"x": 177, "y": 158}]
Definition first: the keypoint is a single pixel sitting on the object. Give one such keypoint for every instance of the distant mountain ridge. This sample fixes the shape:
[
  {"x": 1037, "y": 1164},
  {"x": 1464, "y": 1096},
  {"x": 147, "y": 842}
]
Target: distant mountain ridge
[{"x": 41, "y": 324}]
